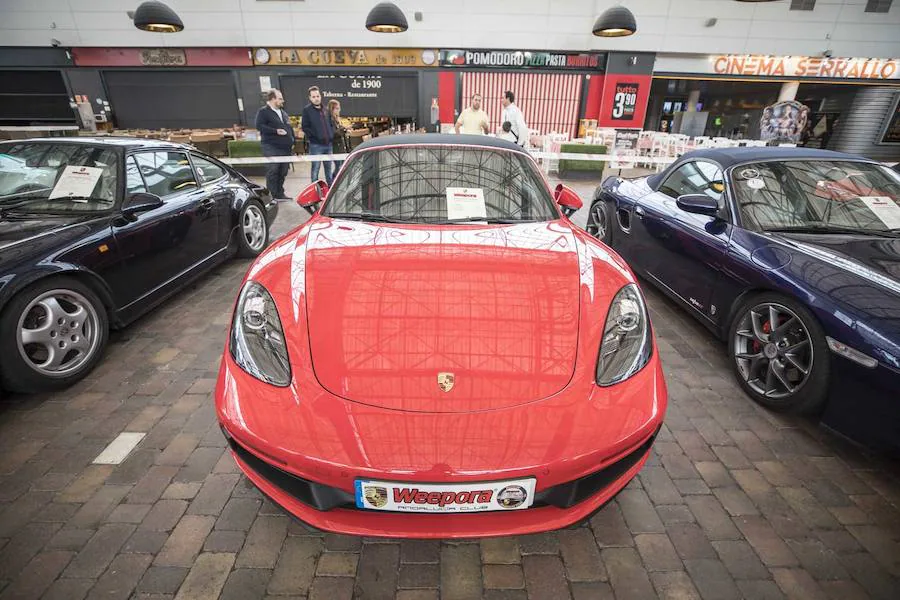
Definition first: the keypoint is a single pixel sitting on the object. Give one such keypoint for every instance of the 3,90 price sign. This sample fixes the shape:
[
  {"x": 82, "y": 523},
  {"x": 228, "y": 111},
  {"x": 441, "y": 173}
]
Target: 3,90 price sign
[{"x": 625, "y": 101}]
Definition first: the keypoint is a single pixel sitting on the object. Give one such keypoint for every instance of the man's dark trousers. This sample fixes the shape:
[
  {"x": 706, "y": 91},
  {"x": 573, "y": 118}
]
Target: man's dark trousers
[{"x": 276, "y": 172}]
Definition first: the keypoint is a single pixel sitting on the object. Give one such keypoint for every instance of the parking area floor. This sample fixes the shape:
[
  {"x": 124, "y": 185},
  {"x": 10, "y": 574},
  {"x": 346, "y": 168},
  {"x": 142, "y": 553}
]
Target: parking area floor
[{"x": 735, "y": 502}]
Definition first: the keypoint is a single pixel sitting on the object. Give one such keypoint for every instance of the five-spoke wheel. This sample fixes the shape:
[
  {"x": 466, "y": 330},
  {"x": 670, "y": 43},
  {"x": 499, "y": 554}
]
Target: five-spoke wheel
[
  {"x": 254, "y": 230},
  {"x": 599, "y": 223}
]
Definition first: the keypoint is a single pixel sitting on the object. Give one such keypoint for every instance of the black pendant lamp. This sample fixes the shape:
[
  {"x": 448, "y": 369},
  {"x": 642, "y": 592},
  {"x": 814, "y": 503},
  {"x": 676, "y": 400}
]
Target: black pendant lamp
[
  {"x": 617, "y": 21},
  {"x": 386, "y": 17},
  {"x": 157, "y": 17}
]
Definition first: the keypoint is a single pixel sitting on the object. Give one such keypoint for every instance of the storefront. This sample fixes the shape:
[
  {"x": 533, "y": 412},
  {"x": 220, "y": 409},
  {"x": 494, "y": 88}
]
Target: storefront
[
  {"x": 33, "y": 87},
  {"x": 727, "y": 94}
]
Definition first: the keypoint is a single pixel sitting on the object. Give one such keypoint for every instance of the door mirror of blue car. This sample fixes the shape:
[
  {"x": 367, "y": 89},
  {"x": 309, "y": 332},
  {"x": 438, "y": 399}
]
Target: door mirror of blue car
[
  {"x": 699, "y": 204},
  {"x": 141, "y": 202}
]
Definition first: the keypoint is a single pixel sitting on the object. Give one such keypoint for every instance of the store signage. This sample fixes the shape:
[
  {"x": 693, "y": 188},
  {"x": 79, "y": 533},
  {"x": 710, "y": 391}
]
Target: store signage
[
  {"x": 624, "y": 148},
  {"x": 523, "y": 59},
  {"x": 799, "y": 67},
  {"x": 892, "y": 130},
  {"x": 163, "y": 57},
  {"x": 346, "y": 57},
  {"x": 625, "y": 101},
  {"x": 359, "y": 95}
]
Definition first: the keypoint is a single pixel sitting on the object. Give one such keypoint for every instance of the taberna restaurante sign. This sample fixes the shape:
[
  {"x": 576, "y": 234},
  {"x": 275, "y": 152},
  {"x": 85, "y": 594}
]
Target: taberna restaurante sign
[{"x": 524, "y": 59}]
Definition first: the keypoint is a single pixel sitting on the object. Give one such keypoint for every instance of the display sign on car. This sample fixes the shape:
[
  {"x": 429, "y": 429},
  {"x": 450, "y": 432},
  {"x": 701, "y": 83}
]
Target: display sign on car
[{"x": 524, "y": 59}]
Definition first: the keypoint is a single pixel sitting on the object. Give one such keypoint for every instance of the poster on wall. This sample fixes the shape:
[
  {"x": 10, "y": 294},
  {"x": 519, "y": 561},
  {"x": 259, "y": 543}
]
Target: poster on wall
[
  {"x": 892, "y": 131},
  {"x": 784, "y": 121},
  {"x": 625, "y": 101}
]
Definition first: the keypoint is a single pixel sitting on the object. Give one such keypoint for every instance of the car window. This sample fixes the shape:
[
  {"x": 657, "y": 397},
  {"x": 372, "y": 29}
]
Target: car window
[
  {"x": 166, "y": 172},
  {"x": 802, "y": 194},
  {"x": 206, "y": 170},
  {"x": 134, "y": 183},
  {"x": 695, "y": 177}
]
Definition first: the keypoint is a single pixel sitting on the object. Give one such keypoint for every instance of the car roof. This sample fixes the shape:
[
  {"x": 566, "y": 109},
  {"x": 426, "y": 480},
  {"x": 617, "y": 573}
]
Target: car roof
[
  {"x": 732, "y": 156},
  {"x": 444, "y": 139},
  {"x": 117, "y": 141}
]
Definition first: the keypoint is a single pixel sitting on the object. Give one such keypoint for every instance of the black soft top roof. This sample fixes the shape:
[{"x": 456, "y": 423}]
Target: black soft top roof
[
  {"x": 444, "y": 139},
  {"x": 732, "y": 156}
]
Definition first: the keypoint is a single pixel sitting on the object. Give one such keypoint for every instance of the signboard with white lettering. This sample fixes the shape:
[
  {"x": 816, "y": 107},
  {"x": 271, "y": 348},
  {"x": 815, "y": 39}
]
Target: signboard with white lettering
[
  {"x": 362, "y": 95},
  {"x": 524, "y": 59},
  {"x": 625, "y": 101}
]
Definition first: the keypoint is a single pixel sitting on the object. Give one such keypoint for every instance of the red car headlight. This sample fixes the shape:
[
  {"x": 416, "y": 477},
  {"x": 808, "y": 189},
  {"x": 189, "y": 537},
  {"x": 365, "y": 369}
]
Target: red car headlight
[
  {"x": 627, "y": 342},
  {"x": 257, "y": 337}
]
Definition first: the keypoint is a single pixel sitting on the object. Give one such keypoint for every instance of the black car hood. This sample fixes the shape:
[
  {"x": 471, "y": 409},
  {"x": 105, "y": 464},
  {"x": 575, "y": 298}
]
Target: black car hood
[
  {"x": 876, "y": 259},
  {"x": 27, "y": 235}
]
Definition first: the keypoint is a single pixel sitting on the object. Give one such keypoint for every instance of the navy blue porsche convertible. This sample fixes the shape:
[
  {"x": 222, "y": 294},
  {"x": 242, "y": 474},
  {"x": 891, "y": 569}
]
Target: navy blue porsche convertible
[{"x": 790, "y": 255}]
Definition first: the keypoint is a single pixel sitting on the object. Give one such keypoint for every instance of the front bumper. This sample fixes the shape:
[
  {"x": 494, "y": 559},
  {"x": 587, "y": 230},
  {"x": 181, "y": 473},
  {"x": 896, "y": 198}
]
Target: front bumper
[{"x": 305, "y": 451}]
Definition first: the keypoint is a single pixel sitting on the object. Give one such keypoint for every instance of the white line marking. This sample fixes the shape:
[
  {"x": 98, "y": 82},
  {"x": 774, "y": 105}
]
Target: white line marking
[{"x": 119, "y": 449}]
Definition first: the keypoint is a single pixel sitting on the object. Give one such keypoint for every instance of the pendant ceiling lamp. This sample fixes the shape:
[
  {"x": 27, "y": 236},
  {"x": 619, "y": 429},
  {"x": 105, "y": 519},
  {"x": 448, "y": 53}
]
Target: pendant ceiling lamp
[
  {"x": 617, "y": 21},
  {"x": 157, "y": 17},
  {"x": 386, "y": 17}
]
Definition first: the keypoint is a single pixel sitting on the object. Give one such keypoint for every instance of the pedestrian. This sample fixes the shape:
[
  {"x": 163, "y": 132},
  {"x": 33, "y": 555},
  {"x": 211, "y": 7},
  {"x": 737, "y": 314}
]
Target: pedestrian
[
  {"x": 276, "y": 139},
  {"x": 472, "y": 119},
  {"x": 319, "y": 133},
  {"x": 341, "y": 144},
  {"x": 513, "y": 114}
]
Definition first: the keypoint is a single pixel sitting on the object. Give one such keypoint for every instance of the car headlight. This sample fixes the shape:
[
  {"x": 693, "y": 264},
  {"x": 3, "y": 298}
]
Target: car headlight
[
  {"x": 257, "y": 338},
  {"x": 627, "y": 342}
]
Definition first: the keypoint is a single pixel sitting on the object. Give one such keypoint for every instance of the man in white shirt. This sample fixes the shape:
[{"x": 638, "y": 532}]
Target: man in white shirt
[{"x": 516, "y": 119}]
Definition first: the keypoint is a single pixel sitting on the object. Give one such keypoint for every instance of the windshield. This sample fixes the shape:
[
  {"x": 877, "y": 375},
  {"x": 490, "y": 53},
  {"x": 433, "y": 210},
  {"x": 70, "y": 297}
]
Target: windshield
[
  {"x": 57, "y": 177},
  {"x": 818, "y": 195},
  {"x": 441, "y": 184}
]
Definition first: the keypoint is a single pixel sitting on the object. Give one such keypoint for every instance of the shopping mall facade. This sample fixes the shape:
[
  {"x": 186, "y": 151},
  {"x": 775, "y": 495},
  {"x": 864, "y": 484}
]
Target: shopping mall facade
[{"x": 844, "y": 65}]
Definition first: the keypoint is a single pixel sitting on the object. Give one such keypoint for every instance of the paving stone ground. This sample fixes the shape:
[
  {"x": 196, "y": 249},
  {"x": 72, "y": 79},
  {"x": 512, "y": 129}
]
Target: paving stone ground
[{"x": 735, "y": 502}]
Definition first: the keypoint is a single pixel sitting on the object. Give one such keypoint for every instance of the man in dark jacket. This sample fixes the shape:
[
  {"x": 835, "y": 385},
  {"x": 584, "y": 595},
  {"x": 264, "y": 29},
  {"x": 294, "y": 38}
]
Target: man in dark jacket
[
  {"x": 318, "y": 131},
  {"x": 277, "y": 139}
]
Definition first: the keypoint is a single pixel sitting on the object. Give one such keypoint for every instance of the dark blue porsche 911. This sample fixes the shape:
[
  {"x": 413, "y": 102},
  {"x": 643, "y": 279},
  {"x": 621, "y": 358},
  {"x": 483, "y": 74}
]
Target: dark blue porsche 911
[{"x": 790, "y": 255}]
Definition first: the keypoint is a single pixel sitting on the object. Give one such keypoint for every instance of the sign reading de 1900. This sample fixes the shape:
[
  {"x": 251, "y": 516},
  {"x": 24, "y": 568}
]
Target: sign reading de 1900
[{"x": 360, "y": 95}]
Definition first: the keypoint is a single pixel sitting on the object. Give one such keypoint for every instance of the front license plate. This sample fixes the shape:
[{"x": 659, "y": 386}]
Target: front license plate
[{"x": 511, "y": 494}]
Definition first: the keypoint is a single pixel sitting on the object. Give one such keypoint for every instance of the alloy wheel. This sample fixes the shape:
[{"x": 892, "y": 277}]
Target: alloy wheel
[
  {"x": 58, "y": 332},
  {"x": 773, "y": 350},
  {"x": 597, "y": 224},
  {"x": 253, "y": 227}
]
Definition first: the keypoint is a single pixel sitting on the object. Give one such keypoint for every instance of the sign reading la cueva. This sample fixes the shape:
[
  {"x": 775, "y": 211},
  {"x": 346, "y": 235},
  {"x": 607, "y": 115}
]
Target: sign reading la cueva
[
  {"x": 523, "y": 59},
  {"x": 346, "y": 57}
]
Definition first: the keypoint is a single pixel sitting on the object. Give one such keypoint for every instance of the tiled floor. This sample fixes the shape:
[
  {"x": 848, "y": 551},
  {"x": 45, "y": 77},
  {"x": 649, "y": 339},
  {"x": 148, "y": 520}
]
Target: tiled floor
[{"x": 735, "y": 502}]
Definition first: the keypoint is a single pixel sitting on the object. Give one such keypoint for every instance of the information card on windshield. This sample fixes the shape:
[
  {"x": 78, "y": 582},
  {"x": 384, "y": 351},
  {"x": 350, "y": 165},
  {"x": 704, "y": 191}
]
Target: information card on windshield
[
  {"x": 465, "y": 203},
  {"x": 885, "y": 208},
  {"x": 77, "y": 181}
]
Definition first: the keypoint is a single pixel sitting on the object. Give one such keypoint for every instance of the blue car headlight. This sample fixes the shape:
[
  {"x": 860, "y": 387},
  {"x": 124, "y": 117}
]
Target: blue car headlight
[
  {"x": 257, "y": 337},
  {"x": 627, "y": 342}
]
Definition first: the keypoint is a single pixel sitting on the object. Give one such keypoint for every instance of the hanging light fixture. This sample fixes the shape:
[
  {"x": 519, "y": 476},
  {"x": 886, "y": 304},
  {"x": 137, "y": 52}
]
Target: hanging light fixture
[
  {"x": 617, "y": 21},
  {"x": 157, "y": 17},
  {"x": 386, "y": 17}
]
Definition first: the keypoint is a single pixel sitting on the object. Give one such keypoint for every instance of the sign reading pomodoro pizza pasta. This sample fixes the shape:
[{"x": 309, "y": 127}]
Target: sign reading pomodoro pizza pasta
[{"x": 806, "y": 66}]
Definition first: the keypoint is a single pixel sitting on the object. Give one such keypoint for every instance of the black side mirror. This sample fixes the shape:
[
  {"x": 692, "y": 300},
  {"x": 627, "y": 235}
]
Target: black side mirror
[
  {"x": 141, "y": 202},
  {"x": 699, "y": 204}
]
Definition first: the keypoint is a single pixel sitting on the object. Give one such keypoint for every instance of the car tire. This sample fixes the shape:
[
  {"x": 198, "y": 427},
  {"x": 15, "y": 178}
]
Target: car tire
[
  {"x": 253, "y": 230},
  {"x": 784, "y": 372},
  {"x": 600, "y": 221},
  {"x": 54, "y": 355}
]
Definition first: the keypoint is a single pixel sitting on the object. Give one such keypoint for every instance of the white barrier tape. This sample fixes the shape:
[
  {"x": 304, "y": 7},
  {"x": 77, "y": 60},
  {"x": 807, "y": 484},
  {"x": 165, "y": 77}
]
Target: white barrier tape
[{"x": 307, "y": 158}]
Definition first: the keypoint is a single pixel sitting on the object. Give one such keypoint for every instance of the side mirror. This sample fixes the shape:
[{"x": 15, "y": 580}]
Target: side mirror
[
  {"x": 699, "y": 204},
  {"x": 312, "y": 196},
  {"x": 141, "y": 202},
  {"x": 567, "y": 199}
]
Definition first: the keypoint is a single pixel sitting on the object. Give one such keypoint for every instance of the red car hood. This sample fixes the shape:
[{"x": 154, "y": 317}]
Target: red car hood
[{"x": 391, "y": 308}]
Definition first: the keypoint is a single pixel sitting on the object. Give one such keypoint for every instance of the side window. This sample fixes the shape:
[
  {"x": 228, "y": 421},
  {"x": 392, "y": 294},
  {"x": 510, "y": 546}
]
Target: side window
[
  {"x": 206, "y": 171},
  {"x": 134, "y": 183},
  {"x": 166, "y": 173},
  {"x": 695, "y": 177}
]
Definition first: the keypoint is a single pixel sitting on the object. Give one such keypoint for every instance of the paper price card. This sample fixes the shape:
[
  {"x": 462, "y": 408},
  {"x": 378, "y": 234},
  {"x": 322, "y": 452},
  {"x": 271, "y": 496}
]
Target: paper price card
[
  {"x": 885, "y": 208},
  {"x": 76, "y": 181},
  {"x": 465, "y": 203}
]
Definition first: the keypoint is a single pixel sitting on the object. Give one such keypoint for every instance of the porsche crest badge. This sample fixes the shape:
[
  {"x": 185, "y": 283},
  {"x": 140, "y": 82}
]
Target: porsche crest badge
[
  {"x": 376, "y": 496},
  {"x": 446, "y": 381}
]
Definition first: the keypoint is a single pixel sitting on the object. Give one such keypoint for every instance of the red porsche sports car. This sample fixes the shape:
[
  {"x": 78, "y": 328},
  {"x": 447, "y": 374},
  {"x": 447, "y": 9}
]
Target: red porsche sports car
[{"x": 439, "y": 352}]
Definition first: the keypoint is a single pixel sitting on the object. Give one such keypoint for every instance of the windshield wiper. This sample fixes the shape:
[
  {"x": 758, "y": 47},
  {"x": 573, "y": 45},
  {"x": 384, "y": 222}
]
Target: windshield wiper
[
  {"x": 490, "y": 221},
  {"x": 29, "y": 194},
  {"x": 365, "y": 217},
  {"x": 832, "y": 229},
  {"x": 14, "y": 207}
]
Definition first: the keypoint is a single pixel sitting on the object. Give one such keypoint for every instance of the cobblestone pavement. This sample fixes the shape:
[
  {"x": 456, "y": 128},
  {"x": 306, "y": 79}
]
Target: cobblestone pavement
[{"x": 734, "y": 502}]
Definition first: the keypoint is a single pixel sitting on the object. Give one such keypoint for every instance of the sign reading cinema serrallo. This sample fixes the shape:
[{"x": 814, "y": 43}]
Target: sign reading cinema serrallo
[
  {"x": 346, "y": 57},
  {"x": 524, "y": 59},
  {"x": 800, "y": 67}
]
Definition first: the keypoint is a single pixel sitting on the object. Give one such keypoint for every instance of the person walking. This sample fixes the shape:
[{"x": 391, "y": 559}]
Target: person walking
[
  {"x": 341, "y": 143},
  {"x": 319, "y": 133},
  {"x": 473, "y": 120},
  {"x": 513, "y": 115},
  {"x": 276, "y": 139}
]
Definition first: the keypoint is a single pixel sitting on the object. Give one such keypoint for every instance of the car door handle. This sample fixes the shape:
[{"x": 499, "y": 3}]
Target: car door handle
[
  {"x": 209, "y": 203},
  {"x": 639, "y": 212}
]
